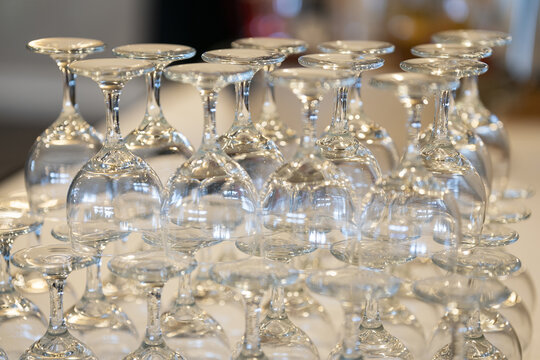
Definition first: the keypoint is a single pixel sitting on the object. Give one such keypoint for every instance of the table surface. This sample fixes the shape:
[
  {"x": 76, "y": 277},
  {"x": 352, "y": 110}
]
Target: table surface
[{"x": 182, "y": 105}]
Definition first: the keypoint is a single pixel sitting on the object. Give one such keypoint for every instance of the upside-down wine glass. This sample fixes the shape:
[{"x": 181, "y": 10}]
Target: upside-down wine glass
[
  {"x": 21, "y": 321},
  {"x": 371, "y": 134},
  {"x": 338, "y": 144},
  {"x": 60, "y": 151},
  {"x": 152, "y": 269},
  {"x": 115, "y": 195},
  {"x": 211, "y": 198},
  {"x": 269, "y": 123},
  {"x": 258, "y": 155},
  {"x": 162, "y": 146},
  {"x": 410, "y": 204},
  {"x": 460, "y": 337},
  {"x": 307, "y": 203},
  {"x": 485, "y": 123},
  {"x": 481, "y": 265},
  {"x": 55, "y": 262},
  {"x": 460, "y": 128}
]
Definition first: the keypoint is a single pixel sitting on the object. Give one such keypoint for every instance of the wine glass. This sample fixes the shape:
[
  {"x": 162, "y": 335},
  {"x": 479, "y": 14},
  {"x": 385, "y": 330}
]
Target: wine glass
[
  {"x": 353, "y": 287},
  {"x": 152, "y": 269},
  {"x": 55, "y": 262},
  {"x": 258, "y": 155},
  {"x": 21, "y": 321},
  {"x": 268, "y": 122},
  {"x": 251, "y": 277},
  {"x": 460, "y": 130},
  {"x": 459, "y": 336},
  {"x": 338, "y": 144},
  {"x": 155, "y": 140},
  {"x": 307, "y": 203},
  {"x": 115, "y": 195},
  {"x": 211, "y": 198},
  {"x": 485, "y": 123},
  {"x": 439, "y": 155},
  {"x": 63, "y": 148},
  {"x": 371, "y": 134}
]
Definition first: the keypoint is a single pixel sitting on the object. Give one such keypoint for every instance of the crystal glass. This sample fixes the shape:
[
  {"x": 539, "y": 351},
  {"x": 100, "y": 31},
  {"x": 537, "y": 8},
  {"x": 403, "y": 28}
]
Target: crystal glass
[
  {"x": 211, "y": 198},
  {"x": 439, "y": 155},
  {"x": 371, "y": 134},
  {"x": 155, "y": 140},
  {"x": 63, "y": 148},
  {"x": 353, "y": 287},
  {"x": 268, "y": 122},
  {"x": 55, "y": 262},
  {"x": 152, "y": 269},
  {"x": 463, "y": 135},
  {"x": 338, "y": 144},
  {"x": 94, "y": 318},
  {"x": 21, "y": 322},
  {"x": 459, "y": 336},
  {"x": 251, "y": 277},
  {"x": 258, "y": 155},
  {"x": 115, "y": 191}
]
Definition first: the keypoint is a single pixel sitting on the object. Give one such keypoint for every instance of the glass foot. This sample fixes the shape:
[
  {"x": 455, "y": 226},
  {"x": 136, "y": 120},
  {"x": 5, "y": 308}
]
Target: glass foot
[
  {"x": 280, "y": 338},
  {"x": 518, "y": 193},
  {"x": 194, "y": 332},
  {"x": 58, "y": 346},
  {"x": 154, "y": 352},
  {"x": 507, "y": 212},
  {"x": 493, "y": 235}
]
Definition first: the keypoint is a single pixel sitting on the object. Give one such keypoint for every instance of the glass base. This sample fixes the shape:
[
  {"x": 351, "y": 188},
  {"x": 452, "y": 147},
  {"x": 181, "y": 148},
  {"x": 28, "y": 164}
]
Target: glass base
[
  {"x": 280, "y": 338},
  {"x": 507, "y": 212},
  {"x": 198, "y": 335},
  {"x": 58, "y": 346},
  {"x": 154, "y": 352},
  {"x": 518, "y": 193},
  {"x": 493, "y": 235}
]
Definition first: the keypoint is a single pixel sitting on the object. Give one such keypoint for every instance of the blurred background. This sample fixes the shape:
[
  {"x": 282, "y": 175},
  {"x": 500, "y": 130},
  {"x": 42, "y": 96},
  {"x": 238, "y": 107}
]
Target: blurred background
[{"x": 30, "y": 84}]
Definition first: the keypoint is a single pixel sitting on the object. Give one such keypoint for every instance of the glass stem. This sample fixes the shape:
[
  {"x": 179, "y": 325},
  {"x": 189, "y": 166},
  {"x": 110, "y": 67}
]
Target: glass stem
[
  {"x": 69, "y": 105},
  {"x": 440, "y": 123},
  {"x": 153, "y": 85},
  {"x": 310, "y": 115},
  {"x": 371, "y": 319},
  {"x": 242, "y": 116},
  {"x": 468, "y": 89},
  {"x": 251, "y": 346},
  {"x": 57, "y": 324},
  {"x": 185, "y": 292},
  {"x": 94, "y": 286},
  {"x": 209, "y": 99},
  {"x": 351, "y": 345},
  {"x": 269, "y": 104},
  {"x": 112, "y": 99},
  {"x": 339, "y": 118},
  {"x": 457, "y": 342},
  {"x": 356, "y": 106},
  {"x": 474, "y": 329},
  {"x": 5, "y": 276},
  {"x": 412, "y": 151},
  {"x": 277, "y": 303},
  {"x": 153, "y": 336}
]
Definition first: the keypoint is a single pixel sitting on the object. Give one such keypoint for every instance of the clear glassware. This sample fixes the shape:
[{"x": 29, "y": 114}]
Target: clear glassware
[
  {"x": 63, "y": 148},
  {"x": 485, "y": 123},
  {"x": 155, "y": 140},
  {"x": 371, "y": 134},
  {"x": 268, "y": 122},
  {"x": 251, "y": 277},
  {"x": 465, "y": 138},
  {"x": 152, "y": 269},
  {"x": 21, "y": 321},
  {"x": 459, "y": 336},
  {"x": 3, "y": 355},
  {"x": 258, "y": 155},
  {"x": 55, "y": 262},
  {"x": 338, "y": 144},
  {"x": 439, "y": 155},
  {"x": 353, "y": 287},
  {"x": 114, "y": 195},
  {"x": 94, "y": 318},
  {"x": 211, "y": 198}
]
